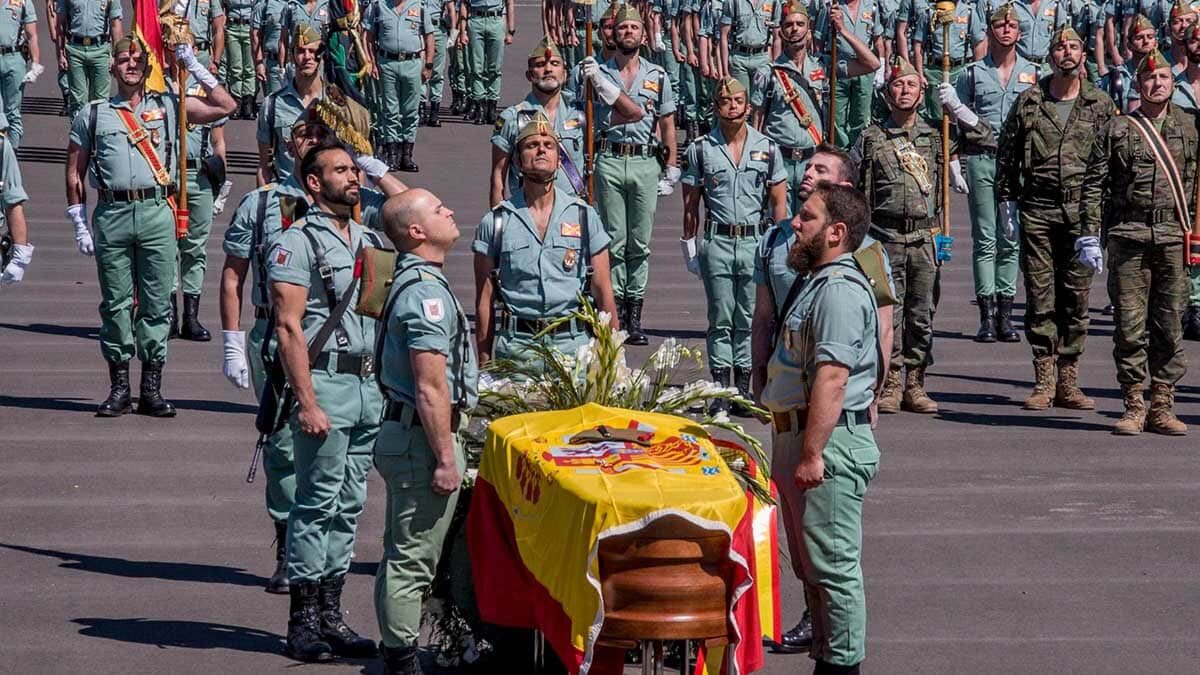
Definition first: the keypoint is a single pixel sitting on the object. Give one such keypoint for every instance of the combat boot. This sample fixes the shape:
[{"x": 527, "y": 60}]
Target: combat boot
[
  {"x": 118, "y": 402},
  {"x": 391, "y": 153},
  {"x": 1134, "y": 419},
  {"x": 492, "y": 115},
  {"x": 475, "y": 111},
  {"x": 190, "y": 328},
  {"x": 1162, "y": 419},
  {"x": 987, "y": 318},
  {"x": 304, "y": 641},
  {"x": 1191, "y": 323},
  {"x": 173, "y": 331},
  {"x": 456, "y": 103},
  {"x": 401, "y": 661},
  {"x": 278, "y": 583},
  {"x": 889, "y": 398},
  {"x": 915, "y": 399},
  {"x": 435, "y": 117},
  {"x": 798, "y": 639},
  {"x": 636, "y": 337},
  {"x": 1068, "y": 394},
  {"x": 339, "y": 636},
  {"x": 721, "y": 377},
  {"x": 252, "y": 108},
  {"x": 150, "y": 400},
  {"x": 422, "y": 113},
  {"x": 406, "y": 159},
  {"x": 741, "y": 380},
  {"x": 1004, "y": 328},
  {"x": 1043, "y": 385}
]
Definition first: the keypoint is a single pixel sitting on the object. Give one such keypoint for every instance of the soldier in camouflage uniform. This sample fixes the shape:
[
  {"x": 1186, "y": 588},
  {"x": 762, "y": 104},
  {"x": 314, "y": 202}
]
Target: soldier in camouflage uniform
[
  {"x": 1144, "y": 167},
  {"x": 1187, "y": 96},
  {"x": 1043, "y": 152}
]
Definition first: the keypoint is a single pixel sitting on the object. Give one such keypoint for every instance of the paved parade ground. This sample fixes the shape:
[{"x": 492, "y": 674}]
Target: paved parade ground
[{"x": 996, "y": 540}]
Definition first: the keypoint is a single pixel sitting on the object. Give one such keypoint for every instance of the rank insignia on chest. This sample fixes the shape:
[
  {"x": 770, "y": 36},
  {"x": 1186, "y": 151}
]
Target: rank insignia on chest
[
  {"x": 817, "y": 74},
  {"x": 805, "y": 120},
  {"x": 16, "y": 3},
  {"x": 867, "y": 16},
  {"x": 281, "y": 256},
  {"x": 415, "y": 11},
  {"x": 1027, "y": 78},
  {"x": 155, "y": 136},
  {"x": 962, "y": 19},
  {"x": 571, "y": 123},
  {"x": 571, "y": 230},
  {"x": 569, "y": 259},
  {"x": 768, "y": 7},
  {"x": 652, "y": 85},
  {"x": 152, "y": 114},
  {"x": 758, "y": 155},
  {"x": 432, "y": 309}
]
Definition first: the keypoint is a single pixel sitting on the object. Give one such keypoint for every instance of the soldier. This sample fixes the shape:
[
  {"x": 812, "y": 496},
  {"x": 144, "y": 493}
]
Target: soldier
[
  {"x": 1038, "y": 18},
  {"x": 790, "y": 95},
  {"x": 1043, "y": 153},
  {"x": 740, "y": 175},
  {"x": 12, "y": 200},
  {"x": 821, "y": 381},
  {"x": 206, "y": 20},
  {"x": 85, "y": 28},
  {"x": 490, "y": 26},
  {"x": 693, "y": 84},
  {"x": 311, "y": 13},
  {"x": 596, "y": 11},
  {"x": 1118, "y": 83},
  {"x": 628, "y": 164},
  {"x": 458, "y": 59},
  {"x": 746, "y": 34},
  {"x": 257, "y": 223},
  {"x": 1187, "y": 97},
  {"x": 429, "y": 377},
  {"x": 1143, "y": 169},
  {"x": 60, "y": 61},
  {"x": 135, "y": 245},
  {"x": 239, "y": 57},
  {"x": 400, "y": 38},
  {"x": 440, "y": 11},
  {"x": 853, "y": 95},
  {"x": 266, "y": 35},
  {"x": 281, "y": 108},
  {"x": 534, "y": 255},
  {"x": 325, "y": 351},
  {"x": 927, "y": 48},
  {"x": 666, "y": 52},
  {"x": 1183, "y": 17},
  {"x": 18, "y": 40},
  {"x": 987, "y": 89}
]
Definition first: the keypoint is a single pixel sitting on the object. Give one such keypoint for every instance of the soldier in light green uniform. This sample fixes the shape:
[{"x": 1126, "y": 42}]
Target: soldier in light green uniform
[
  {"x": 692, "y": 82},
  {"x": 491, "y": 24},
  {"x": 440, "y": 13},
  {"x": 425, "y": 341},
  {"x": 820, "y": 385},
  {"x": 739, "y": 174},
  {"x": 400, "y": 36},
  {"x": 1187, "y": 98},
  {"x": 597, "y": 11},
  {"x": 85, "y": 28},
  {"x": 18, "y": 35},
  {"x": 296, "y": 13},
  {"x": 12, "y": 206},
  {"x": 311, "y": 271},
  {"x": 987, "y": 89},
  {"x": 746, "y": 31},
  {"x": 666, "y": 13},
  {"x": 134, "y": 220},
  {"x": 1037, "y": 27},
  {"x": 927, "y": 51},
  {"x": 239, "y": 56},
  {"x": 267, "y": 37},
  {"x": 853, "y": 95},
  {"x": 790, "y": 96},
  {"x": 206, "y": 20},
  {"x": 628, "y": 165},
  {"x": 280, "y": 109},
  {"x": 1143, "y": 205},
  {"x": 535, "y": 254}
]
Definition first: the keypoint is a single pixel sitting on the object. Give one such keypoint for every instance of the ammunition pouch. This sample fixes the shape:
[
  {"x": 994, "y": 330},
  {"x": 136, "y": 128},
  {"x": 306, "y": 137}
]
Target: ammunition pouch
[{"x": 214, "y": 167}]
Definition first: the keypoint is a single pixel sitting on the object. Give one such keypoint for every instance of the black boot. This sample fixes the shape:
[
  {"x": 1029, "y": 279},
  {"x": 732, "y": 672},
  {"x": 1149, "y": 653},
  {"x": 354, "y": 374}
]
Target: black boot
[
  {"x": 304, "y": 641},
  {"x": 826, "y": 668},
  {"x": 118, "y": 402},
  {"x": 1191, "y": 323},
  {"x": 987, "y": 318},
  {"x": 798, "y": 639},
  {"x": 391, "y": 153},
  {"x": 253, "y": 107},
  {"x": 493, "y": 115},
  {"x": 435, "y": 117},
  {"x": 401, "y": 661},
  {"x": 343, "y": 640},
  {"x": 422, "y": 113},
  {"x": 173, "y": 332},
  {"x": 456, "y": 103},
  {"x": 741, "y": 380},
  {"x": 475, "y": 111},
  {"x": 721, "y": 377},
  {"x": 150, "y": 400},
  {"x": 278, "y": 583},
  {"x": 622, "y": 313},
  {"x": 239, "y": 106},
  {"x": 190, "y": 328},
  {"x": 636, "y": 337},
  {"x": 406, "y": 159},
  {"x": 1004, "y": 328}
]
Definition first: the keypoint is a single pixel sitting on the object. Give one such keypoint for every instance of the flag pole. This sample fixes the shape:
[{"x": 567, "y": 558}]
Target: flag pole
[
  {"x": 181, "y": 202},
  {"x": 589, "y": 113}
]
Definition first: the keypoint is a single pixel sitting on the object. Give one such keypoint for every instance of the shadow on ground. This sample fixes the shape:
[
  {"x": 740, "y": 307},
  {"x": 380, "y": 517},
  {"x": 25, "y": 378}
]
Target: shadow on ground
[{"x": 146, "y": 569}]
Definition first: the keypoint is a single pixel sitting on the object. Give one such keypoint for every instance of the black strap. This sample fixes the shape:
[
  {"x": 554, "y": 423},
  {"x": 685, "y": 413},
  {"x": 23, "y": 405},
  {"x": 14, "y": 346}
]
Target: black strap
[
  {"x": 258, "y": 245},
  {"x": 766, "y": 265},
  {"x": 585, "y": 241},
  {"x": 205, "y": 131},
  {"x": 325, "y": 270},
  {"x": 271, "y": 128},
  {"x": 93, "y": 113},
  {"x": 766, "y": 214}
]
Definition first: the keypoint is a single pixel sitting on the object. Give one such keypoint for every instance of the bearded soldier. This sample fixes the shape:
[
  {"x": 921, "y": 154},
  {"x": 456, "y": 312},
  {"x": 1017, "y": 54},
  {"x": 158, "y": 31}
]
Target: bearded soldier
[
  {"x": 1145, "y": 163},
  {"x": 1043, "y": 152}
]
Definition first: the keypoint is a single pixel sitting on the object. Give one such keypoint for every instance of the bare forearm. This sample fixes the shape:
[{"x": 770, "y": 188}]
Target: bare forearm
[
  {"x": 433, "y": 407},
  {"x": 232, "y": 280},
  {"x": 294, "y": 355},
  {"x": 16, "y": 224},
  {"x": 824, "y": 409}
]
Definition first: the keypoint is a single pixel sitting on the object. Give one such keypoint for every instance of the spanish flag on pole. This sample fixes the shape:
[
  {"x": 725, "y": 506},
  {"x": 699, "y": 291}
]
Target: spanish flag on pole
[{"x": 147, "y": 27}]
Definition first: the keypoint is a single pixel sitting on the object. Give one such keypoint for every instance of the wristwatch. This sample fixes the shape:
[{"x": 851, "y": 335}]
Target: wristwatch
[{"x": 429, "y": 64}]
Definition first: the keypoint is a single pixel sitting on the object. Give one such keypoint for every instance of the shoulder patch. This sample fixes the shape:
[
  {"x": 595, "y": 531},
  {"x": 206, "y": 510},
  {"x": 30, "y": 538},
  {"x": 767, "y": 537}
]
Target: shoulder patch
[
  {"x": 432, "y": 309},
  {"x": 280, "y": 255}
]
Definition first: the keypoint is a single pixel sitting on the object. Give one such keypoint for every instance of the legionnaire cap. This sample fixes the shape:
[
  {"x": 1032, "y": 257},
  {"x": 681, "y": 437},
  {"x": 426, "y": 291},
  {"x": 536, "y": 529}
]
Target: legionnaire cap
[
  {"x": 900, "y": 68},
  {"x": 538, "y": 125},
  {"x": 795, "y": 7},
  {"x": 729, "y": 86},
  {"x": 1141, "y": 23},
  {"x": 627, "y": 13},
  {"x": 1065, "y": 33},
  {"x": 307, "y": 34},
  {"x": 545, "y": 49},
  {"x": 129, "y": 42},
  {"x": 1150, "y": 63},
  {"x": 1181, "y": 8},
  {"x": 611, "y": 13},
  {"x": 1005, "y": 12}
]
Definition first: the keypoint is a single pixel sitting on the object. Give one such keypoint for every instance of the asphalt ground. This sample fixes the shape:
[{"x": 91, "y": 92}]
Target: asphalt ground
[{"x": 996, "y": 540}]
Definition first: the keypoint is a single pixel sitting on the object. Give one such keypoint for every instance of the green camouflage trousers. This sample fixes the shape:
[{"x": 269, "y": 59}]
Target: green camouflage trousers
[
  {"x": 1148, "y": 286},
  {"x": 913, "y": 273},
  {"x": 1056, "y": 285}
]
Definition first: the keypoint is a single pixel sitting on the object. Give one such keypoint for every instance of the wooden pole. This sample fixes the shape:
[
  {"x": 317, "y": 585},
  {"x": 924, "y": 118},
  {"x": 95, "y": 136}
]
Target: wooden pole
[
  {"x": 832, "y": 74},
  {"x": 589, "y": 118},
  {"x": 945, "y": 14},
  {"x": 181, "y": 203}
]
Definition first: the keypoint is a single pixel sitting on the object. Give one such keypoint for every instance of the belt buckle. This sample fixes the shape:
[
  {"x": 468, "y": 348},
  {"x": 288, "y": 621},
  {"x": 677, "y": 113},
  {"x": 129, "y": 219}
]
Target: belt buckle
[
  {"x": 366, "y": 365},
  {"x": 87, "y": 41}
]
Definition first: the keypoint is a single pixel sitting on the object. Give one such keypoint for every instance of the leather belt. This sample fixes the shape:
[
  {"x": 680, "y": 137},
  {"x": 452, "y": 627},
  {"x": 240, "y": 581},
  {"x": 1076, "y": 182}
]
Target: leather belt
[
  {"x": 362, "y": 365},
  {"x": 86, "y": 41},
  {"x": 396, "y": 412},
  {"x": 112, "y": 196},
  {"x": 261, "y": 312},
  {"x": 234, "y": 21},
  {"x": 1149, "y": 216},
  {"x": 397, "y": 56},
  {"x": 202, "y": 45},
  {"x": 734, "y": 230},
  {"x": 627, "y": 149},
  {"x": 797, "y": 154},
  {"x": 518, "y": 324},
  {"x": 902, "y": 225},
  {"x": 936, "y": 63},
  {"x": 10, "y": 50},
  {"x": 486, "y": 13},
  {"x": 749, "y": 51},
  {"x": 795, "y": 420}
]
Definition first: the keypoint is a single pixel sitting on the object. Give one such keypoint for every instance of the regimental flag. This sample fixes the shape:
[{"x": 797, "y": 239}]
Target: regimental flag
[{"x": 147, "y": 27}]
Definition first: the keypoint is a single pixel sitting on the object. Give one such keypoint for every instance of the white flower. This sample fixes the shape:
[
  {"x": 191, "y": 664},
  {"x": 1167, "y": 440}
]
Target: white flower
[
  {"x": 721, "y": 417},
  {"x": 738, "y": 464},
  {"x": 605, "y": 319}
]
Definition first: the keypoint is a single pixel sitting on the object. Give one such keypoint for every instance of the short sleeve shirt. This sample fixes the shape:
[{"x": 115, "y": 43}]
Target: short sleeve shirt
[
  {"x": 399, "y": 28},
  {"x": 268, "y": 21},
  {"x": 749, "y": 22},
  {"x": 734, "y": 192},
  {"x": 982, "y": 90},
  {"x": 288, "y": 107},
  {"x": 88, "y": 18},
  {"x": 650, "y": 89},
  {"x": 200, "y": 17},
  {"x": 866, "y": 24},
  {"x": 14, "y": 16},
  {"x": 811, "y": 85},
  {"x": 569, "y": 124},
  {"x": 114, "y": 164}
]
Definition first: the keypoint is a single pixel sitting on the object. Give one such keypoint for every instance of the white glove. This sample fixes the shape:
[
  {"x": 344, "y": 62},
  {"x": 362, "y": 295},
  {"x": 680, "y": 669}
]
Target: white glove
[
  {"x": 35, "y": 71},
  {"x": 374, "y": 168},
  {"x": 222, "y": 196},
  {"x": 185, "y": 55},
  {"x": 691, "y": 259},
  {"x": 606, "y": 89},
  {"x": 83, "y": 235},
  {"x": 658, "y": 44},
  {"x": 948, "y": 97},
  {"x": 15, "y": 272},
  {"x": 673, "y": 174},
  {"x": 879, "y": 78},
  {"x": 180, "y": 8},
  {"x": 1009, "y": 220},
  {"x": 1089, "y": 253},
  {"x": 236, "y": 370},
  {"x": 957, "y": 181}
]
